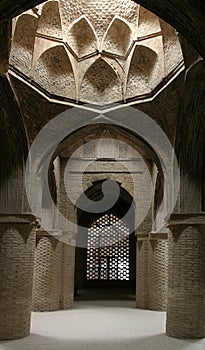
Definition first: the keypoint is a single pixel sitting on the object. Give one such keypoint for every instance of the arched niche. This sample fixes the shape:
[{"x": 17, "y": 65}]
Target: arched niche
[
  {"x": 82, "y": 38},
  {"x": 141, "y": 71},
  {"x": 50, "y": 20},
  {"x": 172, "y": 49},
  {"x": 101, "y": 84},
  {"x": 23, "y": 43},
  {"x": 54, "y": 73},
  {"x": 118, "y": 37},
  {"x": 148, "y": 23}
]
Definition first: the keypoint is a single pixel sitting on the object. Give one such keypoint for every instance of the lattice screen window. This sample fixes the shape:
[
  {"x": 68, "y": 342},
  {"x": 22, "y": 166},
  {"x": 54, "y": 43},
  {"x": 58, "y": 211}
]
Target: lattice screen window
[{"x": 110, "y": 261}]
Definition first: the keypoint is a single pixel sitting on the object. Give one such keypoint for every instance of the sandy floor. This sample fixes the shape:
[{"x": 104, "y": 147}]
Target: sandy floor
[{"x": 101, "y": 325}]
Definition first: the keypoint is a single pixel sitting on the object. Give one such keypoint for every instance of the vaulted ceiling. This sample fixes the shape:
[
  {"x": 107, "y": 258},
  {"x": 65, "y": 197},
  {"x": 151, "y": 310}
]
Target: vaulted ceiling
[
  {"x": 186, "y": 16},
  {"x": 65, "y": 49},
  {"x": 182, "y": 101}
]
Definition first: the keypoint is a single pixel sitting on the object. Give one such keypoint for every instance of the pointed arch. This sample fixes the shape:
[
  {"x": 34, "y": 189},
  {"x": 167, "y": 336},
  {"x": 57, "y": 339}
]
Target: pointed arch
[
  {"x": 148, "y": 23},
  {"x": 118, "y": 37},
  {"x": 141, "y": 70},
  {"x": 101, "y": 84},
  {"x": 82, "y": 37},
  {"x": 54, "y": 72},
  {"x": 50, "y": 20},
  {"x": 23, "y": 43}
]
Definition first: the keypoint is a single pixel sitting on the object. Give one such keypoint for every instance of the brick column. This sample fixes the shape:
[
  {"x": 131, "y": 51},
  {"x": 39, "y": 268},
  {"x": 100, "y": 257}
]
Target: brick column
[
  {"x": 158, "y": 271},
  {"x": 47, "y": 269},
  {"x": 67, "y": 276},
  {"x": 142, "y": 292},
  {"x": 17, "y": 247},
  {"x": 186, "y": 282}
]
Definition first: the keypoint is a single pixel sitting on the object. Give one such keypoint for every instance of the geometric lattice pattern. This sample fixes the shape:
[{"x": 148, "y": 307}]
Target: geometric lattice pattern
[{"x": 111, "y": 260}]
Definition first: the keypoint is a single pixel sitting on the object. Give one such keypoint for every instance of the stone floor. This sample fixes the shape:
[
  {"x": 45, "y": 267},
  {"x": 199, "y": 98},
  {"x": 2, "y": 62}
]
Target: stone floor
[{"x": 101, "y": 325}]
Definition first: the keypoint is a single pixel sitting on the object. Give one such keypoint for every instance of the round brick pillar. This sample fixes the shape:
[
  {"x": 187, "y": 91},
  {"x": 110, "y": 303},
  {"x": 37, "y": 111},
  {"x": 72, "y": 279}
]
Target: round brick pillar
[
  {"x": 186, "y": 282},
  {"x": 142, "y": 292},
  {"x": 47, "y": 269},
  {"x": 158, "y": 271},
  {"x": 67, "y": 276},
  {"x": 17, "y": 246}
]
